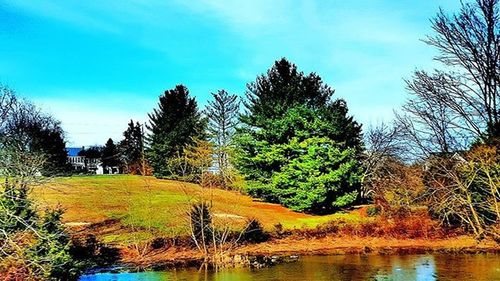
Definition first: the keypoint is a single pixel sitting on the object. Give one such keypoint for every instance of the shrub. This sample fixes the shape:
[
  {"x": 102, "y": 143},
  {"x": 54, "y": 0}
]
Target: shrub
[
  {"x": 372, "y": 211},
  {"x": 158, "y": 243},
  {"x": 211, "y": 180},
  {"x": 416, "y": 225},
  {"x": 254, "y": 232},
  {"x": 51, "y": 252},
  {"x": 202, "y": 230},
  {"x": 278, "y": 228},
  {"x": 16, "y": 210},
  {"x": 396, "y": 185},
  {"x": 92, "y": 253},
  {"x": 463, "y": 190}
]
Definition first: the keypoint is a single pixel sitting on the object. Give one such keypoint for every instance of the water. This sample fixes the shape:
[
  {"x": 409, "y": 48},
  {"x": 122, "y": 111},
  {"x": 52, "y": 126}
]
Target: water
[{"x": 347, "y": 267}]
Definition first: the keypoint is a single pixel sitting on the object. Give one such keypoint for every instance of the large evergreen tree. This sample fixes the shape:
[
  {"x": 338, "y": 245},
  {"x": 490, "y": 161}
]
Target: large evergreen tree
[
  {"x": 172, "y": 126},
  {"x": 297, "y": 146},
  {"x": 222, "y": 113}
]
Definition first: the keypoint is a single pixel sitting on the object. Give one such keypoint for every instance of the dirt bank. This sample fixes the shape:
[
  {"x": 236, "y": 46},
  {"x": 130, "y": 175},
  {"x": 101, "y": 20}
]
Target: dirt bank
[{"x": 184, "y": 256}]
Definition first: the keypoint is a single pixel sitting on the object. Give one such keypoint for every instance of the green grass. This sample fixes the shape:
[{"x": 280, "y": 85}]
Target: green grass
[{"x": 146, "y": 205}]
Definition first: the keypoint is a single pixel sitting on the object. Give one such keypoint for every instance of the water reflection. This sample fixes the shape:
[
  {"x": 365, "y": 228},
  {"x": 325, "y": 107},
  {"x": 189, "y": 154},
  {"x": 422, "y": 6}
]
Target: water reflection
[{"x": 347, "y": 267}]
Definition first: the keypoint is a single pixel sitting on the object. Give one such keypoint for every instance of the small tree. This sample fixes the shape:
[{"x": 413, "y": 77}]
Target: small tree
[
  {"x": 110, "y": 156},
  {"x": 132, "y": 149},
  {"x": 172, "y": 127},
  {"x": 193, "y": 162},
  {"x": 222, "y": 113}
]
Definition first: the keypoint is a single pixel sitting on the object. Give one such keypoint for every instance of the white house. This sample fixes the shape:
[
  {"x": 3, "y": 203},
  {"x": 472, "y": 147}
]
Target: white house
[{"x": 82, "y": 163}]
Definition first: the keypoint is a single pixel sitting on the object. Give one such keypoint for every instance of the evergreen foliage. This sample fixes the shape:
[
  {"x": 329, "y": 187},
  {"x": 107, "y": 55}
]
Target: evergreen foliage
[
  {"x": 110, "y": 154},
  {"x": 297, "y": 146},
  {"x": 51, "y": 252},
  {"x": 93, "y": 152},
  {"x": 172, "y": 127},
  {"x": 132, "y": 146},
  {"x": 16, "y": 210},
  {"x": 222, "y": 113}
]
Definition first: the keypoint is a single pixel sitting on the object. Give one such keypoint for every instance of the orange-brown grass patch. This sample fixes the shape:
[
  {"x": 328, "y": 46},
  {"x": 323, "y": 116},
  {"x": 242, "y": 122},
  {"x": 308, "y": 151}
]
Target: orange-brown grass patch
[{"x": 416, "y": 225}]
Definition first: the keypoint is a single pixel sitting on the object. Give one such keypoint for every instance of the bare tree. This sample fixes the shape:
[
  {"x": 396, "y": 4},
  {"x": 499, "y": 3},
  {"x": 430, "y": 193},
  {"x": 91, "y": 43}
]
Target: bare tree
[
  {"x": 382, "y": 144},
  {"x": 29, "y": 240},
  {"x": 465, "y": 190},
  {"x": 390, "y": 181},
  {"x": 453, "y": 108},
  {"x": 7, "y": 101},
  {"x": 459, "y": 104},
  {"x": 216, "y": 235}
]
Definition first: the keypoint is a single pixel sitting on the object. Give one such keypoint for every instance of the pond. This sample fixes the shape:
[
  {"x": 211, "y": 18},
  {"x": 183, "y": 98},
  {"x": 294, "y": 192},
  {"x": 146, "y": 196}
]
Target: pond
[{"x": 344, "y": 267}]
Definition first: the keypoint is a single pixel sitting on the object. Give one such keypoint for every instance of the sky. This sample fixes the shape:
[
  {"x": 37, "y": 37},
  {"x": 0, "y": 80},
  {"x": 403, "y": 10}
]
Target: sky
[{"x": 95, "y": 65}]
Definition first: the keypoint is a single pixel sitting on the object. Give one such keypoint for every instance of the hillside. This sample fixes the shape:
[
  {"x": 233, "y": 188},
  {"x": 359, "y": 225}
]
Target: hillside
[{"x": 149, "y": 206}]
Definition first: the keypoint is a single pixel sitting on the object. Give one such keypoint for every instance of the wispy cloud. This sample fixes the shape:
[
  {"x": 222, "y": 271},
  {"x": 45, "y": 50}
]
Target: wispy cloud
[{"x": 91, "y": 118}]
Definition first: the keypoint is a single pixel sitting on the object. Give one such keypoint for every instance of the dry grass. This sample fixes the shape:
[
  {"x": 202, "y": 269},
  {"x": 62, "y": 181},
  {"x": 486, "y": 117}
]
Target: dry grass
[
  {"x": 147, "y": 205},
  {"x": 362, "y": 245}
]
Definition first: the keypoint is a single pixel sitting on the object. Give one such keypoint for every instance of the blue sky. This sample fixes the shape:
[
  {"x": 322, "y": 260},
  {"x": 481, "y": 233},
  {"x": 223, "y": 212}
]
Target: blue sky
[{"x": 96, "y": 64}]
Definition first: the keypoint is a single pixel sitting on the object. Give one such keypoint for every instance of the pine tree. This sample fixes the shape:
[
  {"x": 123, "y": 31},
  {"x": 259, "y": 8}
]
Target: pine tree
[
  {"x": 222, "y": 113},
  {"x": 110, "y": 154},
  {"x": 132, "y": 148},
  {"x": 50, "y": 142},
  {"x": 283, "y": 88},
  {"x": 297, "y": 146},
  {"x": 172, "y": 127}
]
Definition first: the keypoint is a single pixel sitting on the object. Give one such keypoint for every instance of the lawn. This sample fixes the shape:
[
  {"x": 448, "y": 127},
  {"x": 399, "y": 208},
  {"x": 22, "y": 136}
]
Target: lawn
[{"x": 159, "y": 206}]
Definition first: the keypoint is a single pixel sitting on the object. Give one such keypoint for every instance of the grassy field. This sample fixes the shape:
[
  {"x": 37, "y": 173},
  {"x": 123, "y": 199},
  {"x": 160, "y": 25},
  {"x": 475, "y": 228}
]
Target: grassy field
[{"x": 150, "y": 206}]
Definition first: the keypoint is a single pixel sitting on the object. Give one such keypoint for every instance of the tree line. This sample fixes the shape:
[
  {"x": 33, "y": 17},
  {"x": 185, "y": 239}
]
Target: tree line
[{"x": 294, "y": 144}]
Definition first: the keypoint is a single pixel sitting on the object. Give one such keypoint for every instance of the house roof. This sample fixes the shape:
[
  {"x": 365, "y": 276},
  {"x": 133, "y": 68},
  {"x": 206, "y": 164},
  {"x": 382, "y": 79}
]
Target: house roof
[{"x": 73, "y": 151}]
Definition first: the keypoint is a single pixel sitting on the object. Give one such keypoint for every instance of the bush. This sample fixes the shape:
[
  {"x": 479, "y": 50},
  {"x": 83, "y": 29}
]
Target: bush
[
  {"x": 254, "y": 232},
  {"x": 232, "y": 180},
  {"x": 462, "y": 191},
  {"x": 16, "y": 210},
  {"x": 201, "y": 223},
  {"x": 92, "y": 253},
  {"x": 278, "y": 228},
  {"x": 51, "y": 252},
  {"x": 38, "y": 245},
  {"x": 413, "y": 226},
  {"x": 372, "y": 211},
  {"x": 396, "y": 185},
  {"x": 158, "y": 243}
]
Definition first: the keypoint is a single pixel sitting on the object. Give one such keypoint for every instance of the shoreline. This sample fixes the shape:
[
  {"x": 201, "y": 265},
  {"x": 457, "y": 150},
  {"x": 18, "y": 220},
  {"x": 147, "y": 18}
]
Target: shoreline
[{"x": 282, "y": 249}]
